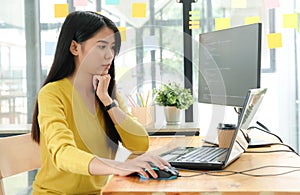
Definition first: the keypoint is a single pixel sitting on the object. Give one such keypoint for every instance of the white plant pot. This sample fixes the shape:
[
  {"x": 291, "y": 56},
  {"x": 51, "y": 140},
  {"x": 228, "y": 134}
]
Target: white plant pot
[{"x": 173, "y": 115}]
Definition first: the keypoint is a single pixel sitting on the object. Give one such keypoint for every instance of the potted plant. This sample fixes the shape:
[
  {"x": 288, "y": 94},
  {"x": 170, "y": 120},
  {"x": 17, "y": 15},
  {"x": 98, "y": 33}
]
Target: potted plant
[{"x": 175, "y": 99}]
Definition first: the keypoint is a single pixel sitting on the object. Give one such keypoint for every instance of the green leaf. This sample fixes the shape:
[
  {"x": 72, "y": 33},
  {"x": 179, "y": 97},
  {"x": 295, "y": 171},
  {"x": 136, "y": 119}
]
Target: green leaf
[{"x": 171, "y": 94}]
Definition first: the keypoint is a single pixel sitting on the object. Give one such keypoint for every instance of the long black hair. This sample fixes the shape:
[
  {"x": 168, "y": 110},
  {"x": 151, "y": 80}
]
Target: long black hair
[{"x": 80, "y": 26}]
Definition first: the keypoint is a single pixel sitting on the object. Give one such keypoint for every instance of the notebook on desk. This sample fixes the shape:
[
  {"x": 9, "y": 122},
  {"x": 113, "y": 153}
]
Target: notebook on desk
[{"x": 213, "y": 157}]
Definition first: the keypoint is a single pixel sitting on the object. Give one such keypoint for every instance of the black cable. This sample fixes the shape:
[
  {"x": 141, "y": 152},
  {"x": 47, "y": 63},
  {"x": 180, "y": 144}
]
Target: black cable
[
  {"x": 263, "y": 126},
  {"x": 210, "y": 173},
  {"x": 235, "y": 109},
  {"x": 270, "y": 144},
  {"x": 244, "y": 149},
  {"x": 269, "y": 175},
  {"x": 281, "y": 144},
  {"x": 269, "y": 166},
  {"x": 266, "y": 131},
  {"x": 245, "y": 172},
  {"x": 269, "y": 151},
  {"x": 246, "y": 136}
]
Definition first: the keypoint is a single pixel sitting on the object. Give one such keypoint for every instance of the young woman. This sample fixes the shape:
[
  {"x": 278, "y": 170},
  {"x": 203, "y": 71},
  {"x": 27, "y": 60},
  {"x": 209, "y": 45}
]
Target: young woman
[{"x": 77, "y": 120}]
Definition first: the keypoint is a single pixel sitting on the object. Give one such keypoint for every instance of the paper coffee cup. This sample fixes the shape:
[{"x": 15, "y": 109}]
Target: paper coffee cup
[{"x": 225, "y": 134}]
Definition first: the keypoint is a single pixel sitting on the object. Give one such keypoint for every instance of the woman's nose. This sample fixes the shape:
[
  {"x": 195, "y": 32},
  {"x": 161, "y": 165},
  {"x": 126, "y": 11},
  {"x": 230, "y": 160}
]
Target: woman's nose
[{"x": 109, "y": 54}]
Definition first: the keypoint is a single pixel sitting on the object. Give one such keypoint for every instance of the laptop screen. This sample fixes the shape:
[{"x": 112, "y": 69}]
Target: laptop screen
[{"x": 251, "y": 104}]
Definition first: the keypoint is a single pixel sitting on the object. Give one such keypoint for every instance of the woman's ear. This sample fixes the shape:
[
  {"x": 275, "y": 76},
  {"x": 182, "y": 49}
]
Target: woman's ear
[{"x": 74, "y": 48}]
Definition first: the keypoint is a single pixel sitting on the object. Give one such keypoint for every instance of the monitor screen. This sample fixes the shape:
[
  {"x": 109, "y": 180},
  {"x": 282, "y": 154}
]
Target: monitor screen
[{"x": 229, "y": 64}]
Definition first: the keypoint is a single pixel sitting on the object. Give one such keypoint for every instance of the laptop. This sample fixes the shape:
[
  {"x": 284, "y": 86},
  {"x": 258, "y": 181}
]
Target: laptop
[{"x": 213, "y": 157}]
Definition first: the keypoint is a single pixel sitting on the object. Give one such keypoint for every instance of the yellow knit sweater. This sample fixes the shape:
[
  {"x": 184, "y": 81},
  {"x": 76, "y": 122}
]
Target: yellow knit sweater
[{"x": 70, "y": 138}]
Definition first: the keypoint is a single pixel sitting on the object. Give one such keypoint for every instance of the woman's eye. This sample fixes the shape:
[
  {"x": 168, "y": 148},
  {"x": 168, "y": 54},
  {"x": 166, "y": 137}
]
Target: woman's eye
[{"x": 102, "y": 46}]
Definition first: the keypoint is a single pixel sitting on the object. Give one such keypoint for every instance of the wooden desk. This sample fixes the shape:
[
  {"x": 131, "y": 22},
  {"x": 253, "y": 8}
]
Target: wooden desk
[
  {"x": 222, "y": 185},
  {"x": 189, "y": 129}
]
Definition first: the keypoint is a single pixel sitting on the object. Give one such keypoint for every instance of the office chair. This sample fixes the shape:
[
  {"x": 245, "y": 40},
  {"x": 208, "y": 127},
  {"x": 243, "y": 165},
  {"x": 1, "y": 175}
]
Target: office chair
[{"x": 17, "y": 154}]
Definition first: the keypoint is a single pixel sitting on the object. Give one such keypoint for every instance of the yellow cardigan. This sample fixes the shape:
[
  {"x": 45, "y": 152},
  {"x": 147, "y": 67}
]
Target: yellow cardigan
[{"x": 70, "y": 138}]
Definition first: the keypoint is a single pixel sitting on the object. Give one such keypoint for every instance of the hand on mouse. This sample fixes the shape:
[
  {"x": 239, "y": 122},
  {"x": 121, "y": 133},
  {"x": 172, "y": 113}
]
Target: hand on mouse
[{"x": 140, "y": 164}]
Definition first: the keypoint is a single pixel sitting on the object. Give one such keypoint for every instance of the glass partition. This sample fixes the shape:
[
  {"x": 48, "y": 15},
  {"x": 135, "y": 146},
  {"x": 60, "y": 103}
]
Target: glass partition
[{"x": 152, "y": 51}]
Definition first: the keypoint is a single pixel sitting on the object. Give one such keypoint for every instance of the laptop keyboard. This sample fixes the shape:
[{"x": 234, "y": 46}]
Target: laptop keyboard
[{"x": 203, "y": 154}]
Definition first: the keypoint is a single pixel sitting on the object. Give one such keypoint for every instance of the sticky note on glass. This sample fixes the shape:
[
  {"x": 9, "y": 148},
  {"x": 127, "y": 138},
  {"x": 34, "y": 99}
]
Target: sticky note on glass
[
  {"x": 112, "y": 2},
  {"x": 274, "y": 40},
  {"x": 194, "y": 15},
  {"x": 271, "y": 4},
  {"x": 194, "y": 12},
  {"x": 194, "y": 19},
  {"x": 80, "y": 3},
  {"x": 61, "y": 10},
  {"x": 122, "y": 31},
  {"x": 194, "y": 24},
  {"x": 290, "y": 20},
  {"x": 252, "y": 20},
  {"x": 138, "y": 10},
  {"x": 238, "y": 3},
  {"x": 222, "y": 23}
]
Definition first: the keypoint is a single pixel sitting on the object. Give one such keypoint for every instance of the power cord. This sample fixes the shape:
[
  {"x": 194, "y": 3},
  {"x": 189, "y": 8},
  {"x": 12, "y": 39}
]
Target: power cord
[
  {"x": 263, "y": 126},
  {"x": 264, "y": 129},
  {"x": 245, "y": 172},
  {"x": 237, "y": 110},
  {"x": 267, "y": 130},
  {"x": 270, "y": 151}
]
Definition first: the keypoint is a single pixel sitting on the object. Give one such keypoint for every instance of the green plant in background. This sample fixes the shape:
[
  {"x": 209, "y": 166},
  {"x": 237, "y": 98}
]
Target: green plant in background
[{"x": 171, "y": 94}]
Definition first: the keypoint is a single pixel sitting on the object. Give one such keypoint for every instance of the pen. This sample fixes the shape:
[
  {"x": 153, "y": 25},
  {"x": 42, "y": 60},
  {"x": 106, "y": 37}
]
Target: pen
[
  {"x": 131, "y": 101},
  {"x": 141, "y": 99},
  {"x": 138, "y": 100},
  {"x": 147, "y": 98}
]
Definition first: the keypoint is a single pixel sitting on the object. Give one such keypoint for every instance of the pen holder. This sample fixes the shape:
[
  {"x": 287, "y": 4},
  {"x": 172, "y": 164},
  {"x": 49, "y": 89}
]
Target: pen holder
[
  {"x": 225, "y": 134},
  {"x": 144, "y": 115}
]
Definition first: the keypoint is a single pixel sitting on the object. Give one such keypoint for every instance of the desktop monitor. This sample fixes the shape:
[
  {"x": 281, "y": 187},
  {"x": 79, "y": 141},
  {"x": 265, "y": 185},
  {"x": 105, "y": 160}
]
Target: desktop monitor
[{"x": 229, "y": 63}]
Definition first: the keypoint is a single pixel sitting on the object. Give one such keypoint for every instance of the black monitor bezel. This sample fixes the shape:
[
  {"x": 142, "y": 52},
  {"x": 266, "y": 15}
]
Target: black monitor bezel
[{"x": 258, "y": 63}]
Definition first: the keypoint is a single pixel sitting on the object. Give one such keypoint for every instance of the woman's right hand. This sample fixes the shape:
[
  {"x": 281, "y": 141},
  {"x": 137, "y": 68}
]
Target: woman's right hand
[
  {"x": 140, "y": 164},
  {"x": 100, "y": 84}
]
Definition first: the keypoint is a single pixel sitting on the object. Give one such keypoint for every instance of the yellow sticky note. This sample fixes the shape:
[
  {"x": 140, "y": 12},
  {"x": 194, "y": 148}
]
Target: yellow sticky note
[
  {"x": 138, "y": 10},
  {"x": 194, "y": 26},
  {"x": 61, "y": 10},
  {"x": 290, "y": 20},
  {"x": 238, "y": 3},
  {"x": 252, "y": 20},
  {"x": 194, "y": 18},
  {"x": 222, "y": 23},
  {"x": 194, "y": 12},
  {"x": 194, "y": 22},
  {"x": 122, "y": 31},
  {"x": 274, "y": 40}
]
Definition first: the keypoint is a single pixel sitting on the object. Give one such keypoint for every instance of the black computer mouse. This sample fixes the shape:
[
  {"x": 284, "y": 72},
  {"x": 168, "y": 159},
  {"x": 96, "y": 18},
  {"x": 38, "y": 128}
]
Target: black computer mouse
[{"x": 168, "y": 173}]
